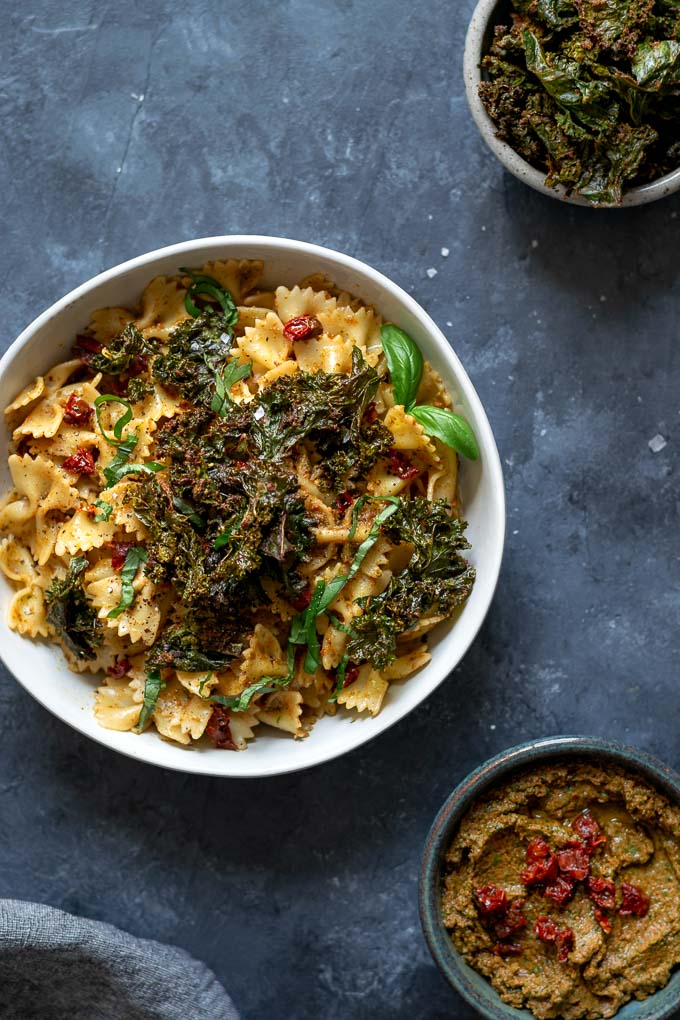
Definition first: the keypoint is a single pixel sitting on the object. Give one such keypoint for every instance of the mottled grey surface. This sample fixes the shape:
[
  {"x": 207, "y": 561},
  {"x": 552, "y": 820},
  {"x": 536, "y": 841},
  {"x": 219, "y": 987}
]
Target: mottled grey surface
[{"x": 132, "y": 125}]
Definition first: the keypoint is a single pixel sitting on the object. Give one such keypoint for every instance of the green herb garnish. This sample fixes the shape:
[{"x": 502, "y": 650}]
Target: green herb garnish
[
  {"x": 105, "y": 508},
  {"x": 152, "y": 688},
  {"x": 125, "y": 418},
  {"x": 208, "y": 286},
  {"x": 232, "y": 374},
  {"x": 134, "y": 559},
  {"x": 186, "y": 509},
  {"x": 405, "y": 363}
]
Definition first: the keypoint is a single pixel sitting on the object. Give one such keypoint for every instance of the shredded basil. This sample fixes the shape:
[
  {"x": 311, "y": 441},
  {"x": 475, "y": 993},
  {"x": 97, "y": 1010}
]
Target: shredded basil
[
  {"x": 135, "y": 558},
  {"x": 202, "y": 684},
  {"x": 184, "y": 508},
  {"x": 340, "y": 677},
  {"x": 208, "y": 286},
  {"x": 111, "y": 398},
  {"x": 119, "y": 466},
  {"x": 232, "y": 374},
  {"x": 152, "y": 688},
  {"x": 106, "y": 510}
]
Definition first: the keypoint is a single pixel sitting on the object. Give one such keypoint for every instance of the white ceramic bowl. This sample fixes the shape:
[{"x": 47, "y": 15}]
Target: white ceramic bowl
[
  {"x": 41, "y": 669},
  {"x": 477, "y": 42}
]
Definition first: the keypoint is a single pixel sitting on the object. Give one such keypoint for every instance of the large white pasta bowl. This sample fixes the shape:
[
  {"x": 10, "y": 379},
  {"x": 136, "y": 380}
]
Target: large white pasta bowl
[{"x": 40, "y": 667}]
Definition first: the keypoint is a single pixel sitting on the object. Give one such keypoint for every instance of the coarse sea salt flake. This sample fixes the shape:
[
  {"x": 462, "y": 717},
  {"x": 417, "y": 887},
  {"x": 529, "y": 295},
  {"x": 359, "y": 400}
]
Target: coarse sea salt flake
[
  {"x": 431, "y": 272},
  {"x": 259, "y": 413},
  {"x": 445, "y": 252},
  {"x": 657, "y": 443}
]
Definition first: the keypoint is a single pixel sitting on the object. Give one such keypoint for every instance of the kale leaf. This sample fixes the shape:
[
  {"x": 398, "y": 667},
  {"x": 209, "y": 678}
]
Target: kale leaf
[
  {"x": 71, "y": 613},
  {"x": 197, "y": 350},
  {"x": 437, "y": 578},
  {"x": 120, "y": 354},
  {"x": 180, "y": 647}
]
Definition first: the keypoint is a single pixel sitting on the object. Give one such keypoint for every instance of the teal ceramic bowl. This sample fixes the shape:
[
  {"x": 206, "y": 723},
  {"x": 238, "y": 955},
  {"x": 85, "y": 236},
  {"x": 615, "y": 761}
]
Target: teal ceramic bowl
[{"x": 468, "y": 983}]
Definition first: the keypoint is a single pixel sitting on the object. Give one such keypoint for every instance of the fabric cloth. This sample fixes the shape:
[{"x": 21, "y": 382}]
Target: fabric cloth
[{"x": 54, "y": 966}]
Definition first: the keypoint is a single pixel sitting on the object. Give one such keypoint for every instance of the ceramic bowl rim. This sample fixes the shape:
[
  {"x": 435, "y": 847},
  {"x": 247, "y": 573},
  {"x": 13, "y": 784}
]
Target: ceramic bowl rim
[
  {"x": 497, "y": 769},
  {"x": 231, "y": 243},
  {"x": 507, "y": 156}
]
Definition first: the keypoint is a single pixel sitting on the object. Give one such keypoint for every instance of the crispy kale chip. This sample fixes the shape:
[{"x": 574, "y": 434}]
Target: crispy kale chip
[
  {"x": 589, "y": 91},
  {"x": 198, "y": 350},
  {"x": 180, "y": 647},
  {"x": 71, "y": 613},
  {"x": 121, "y": 354},
  {"x": 437, "y": 579}
]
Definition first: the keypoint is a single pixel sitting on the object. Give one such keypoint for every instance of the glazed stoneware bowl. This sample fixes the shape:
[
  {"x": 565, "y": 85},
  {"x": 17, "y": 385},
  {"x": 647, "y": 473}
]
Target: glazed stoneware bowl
[
  {"x": 479, "y": 38},
  {"x": 466, "y": 981},
  {"x": 40, "y": 667}
]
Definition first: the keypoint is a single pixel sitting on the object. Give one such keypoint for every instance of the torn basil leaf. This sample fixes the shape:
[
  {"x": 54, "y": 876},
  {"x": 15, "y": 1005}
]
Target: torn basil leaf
[
  {"x": 106, "y": 509},
  {"x": 135, "y": 558},
  {"x": 152, "y": 688}
]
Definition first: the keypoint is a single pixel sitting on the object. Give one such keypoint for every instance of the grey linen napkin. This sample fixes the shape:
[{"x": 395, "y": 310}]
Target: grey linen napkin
[{"x": 54, "y": 966}]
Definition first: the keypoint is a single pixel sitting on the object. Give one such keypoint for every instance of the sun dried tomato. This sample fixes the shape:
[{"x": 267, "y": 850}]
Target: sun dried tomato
[
  {"x": 574, "y": 863},
  {"x": 491, "y": 901},
  {"x": 219, "y": 731},
  {"x": 603, "y": 920},
  {"x": 81, "y": 462},
  {"x": 302, "y": 327},
  {"x": 301, "y": 601},
  {"x": 77, "y": 411},
  {"x": 351, "y": 673},
  {"x": 504, "y": 949},
  {"x": 371, "y": 413},
  {"x": 540, "y": 871},
  {"x": 85, "y": 346},
  {"x": 635, "y": 901},
  {"x": 537, "y": 850},
  {"x": 602, "y": 892},
  {"x": 547, "y": 931},
  {"x": 513, "y": 920},
  {"x": 119, "y": 551},
  {"x": 589, "y": 830},
  {"x": 400, "y": 465},
  {"x": 120, "y": 668},
  {"x": 561, "y": 890},
  {"x": 344, "y": 500}
]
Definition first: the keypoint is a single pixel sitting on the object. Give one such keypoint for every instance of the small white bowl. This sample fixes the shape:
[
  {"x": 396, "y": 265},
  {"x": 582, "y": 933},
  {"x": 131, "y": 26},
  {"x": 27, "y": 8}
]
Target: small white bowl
[
  {"x": 477, "y": 42},
  {"x": 40, "y": 667}
]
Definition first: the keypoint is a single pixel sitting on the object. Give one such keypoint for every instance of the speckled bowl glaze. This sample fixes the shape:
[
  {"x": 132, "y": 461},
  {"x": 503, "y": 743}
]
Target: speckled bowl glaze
[
  {"x": 478, "y": 40},
  {"x": 467, "y": 982}
]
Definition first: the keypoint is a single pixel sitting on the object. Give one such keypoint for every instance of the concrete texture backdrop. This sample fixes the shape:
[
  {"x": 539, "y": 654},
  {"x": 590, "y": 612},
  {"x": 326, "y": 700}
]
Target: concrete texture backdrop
[{"x": 127, "y": 126}]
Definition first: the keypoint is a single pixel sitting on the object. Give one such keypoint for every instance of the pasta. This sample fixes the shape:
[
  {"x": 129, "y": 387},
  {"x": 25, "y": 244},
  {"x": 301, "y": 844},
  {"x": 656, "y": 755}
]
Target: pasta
[{"x": 220, "y": 506}]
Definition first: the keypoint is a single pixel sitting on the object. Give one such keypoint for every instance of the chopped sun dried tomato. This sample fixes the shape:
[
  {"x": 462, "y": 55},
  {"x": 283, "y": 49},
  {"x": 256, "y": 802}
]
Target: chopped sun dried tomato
[
  {"x": 119, "y": 551},
  {"x": 351, "y": 673},
  {"x": 302, "y": 327},
  {"x": 81, "y": 462},
  {"x": 537, "y": 850},
  {"x": 344, "y": 500},
  {"x": 301, "y": 601},
  {"x": 574, "y": 863},
  {"x": 603, "y": 920},
  {"x": 119, "y": 668},
  {"x": 77, "y": 411},
  {"x": 504, "y": 949},
  {"x": 635, "y": 901},
  {"x": 370, "y": 414},
  {"x": 589, "y": 830},
  {"x": 401, "y": 466},
  {"x": 513, "y": 920},
  {"x": 602, "y": 892},
  {"x": 85, "y": 346},
  {"x": 219, "y": 731},
  {"x": 540, "y": 871},
  {"x": 547, "y": 931},
  {"x": 561, "y": 890},
  {"x": 490, "y": 900}
]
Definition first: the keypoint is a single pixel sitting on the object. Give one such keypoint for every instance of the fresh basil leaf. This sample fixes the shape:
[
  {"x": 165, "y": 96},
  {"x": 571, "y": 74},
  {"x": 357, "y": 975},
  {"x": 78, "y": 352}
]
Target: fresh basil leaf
[
  {"x": 340, "y": 676},
  {"x": 361, "y": 501},
  {"x": 404, "y": 361},
  {"x": 232, "y": 374},
  {"x": 657, "y": 64},
  {"x": 135, "y": 558},
  {"x": 203, "y": 285},
  {"x": 152, "y": 688},
  {"x": 119, "y": 466},
  {"x": 450, "y": 428},
  {"x": 241, "y": 702},
  {"x": 184, "y": 508},
  {"x": 111, "y": 398},
  {"x": 106, "y": 510}
]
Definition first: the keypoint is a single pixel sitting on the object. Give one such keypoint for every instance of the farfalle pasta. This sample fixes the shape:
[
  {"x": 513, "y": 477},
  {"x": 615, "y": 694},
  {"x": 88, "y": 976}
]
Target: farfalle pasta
[{"x": 238, "y": 505}]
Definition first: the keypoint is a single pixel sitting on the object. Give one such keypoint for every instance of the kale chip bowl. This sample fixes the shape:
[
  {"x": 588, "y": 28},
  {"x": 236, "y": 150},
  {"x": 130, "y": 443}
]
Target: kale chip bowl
[
  {"x": 41, "y": 668},
  {"x": 579, "y": 99}
]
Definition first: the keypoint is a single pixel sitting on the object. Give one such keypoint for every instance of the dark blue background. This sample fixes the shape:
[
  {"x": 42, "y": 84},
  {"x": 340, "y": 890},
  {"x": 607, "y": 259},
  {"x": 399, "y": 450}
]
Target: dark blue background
[{"x": 132, "y": 125}]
